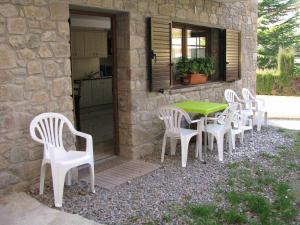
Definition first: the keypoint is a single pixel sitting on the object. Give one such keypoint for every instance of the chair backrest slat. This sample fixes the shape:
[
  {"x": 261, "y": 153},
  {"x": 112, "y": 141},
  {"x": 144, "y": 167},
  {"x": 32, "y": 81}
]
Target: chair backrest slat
[
  {"x": 231, "y": 96},
  {"x": 173, "y": 117},
  {"x": 49, "y": 126}
]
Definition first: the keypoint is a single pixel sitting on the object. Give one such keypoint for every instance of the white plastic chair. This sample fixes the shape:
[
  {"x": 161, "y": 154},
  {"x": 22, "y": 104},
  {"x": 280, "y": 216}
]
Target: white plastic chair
[
  {"x": 50, "y": 130},
  {"x": 257, "y": 106},
  {"x": 231, "y": 97},
  {"x": 173, "y": 118},
  {"x": 240, "y": 124},
  {"x": 221, "y": 125}
]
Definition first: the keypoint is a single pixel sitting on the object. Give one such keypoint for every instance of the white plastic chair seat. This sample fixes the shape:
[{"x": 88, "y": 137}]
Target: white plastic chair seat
[
  {"x": 188, "y": 132},
  {"x": 71, "y": 157},
  {"x": 214, "y": 128}
]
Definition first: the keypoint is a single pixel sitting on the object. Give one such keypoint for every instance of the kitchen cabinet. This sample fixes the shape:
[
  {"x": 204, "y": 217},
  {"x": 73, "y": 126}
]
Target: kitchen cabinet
[
  {"x": 95, "y": 92},
  {"x": 89, "y": 44},
  {"x": 107, "y": 91}
]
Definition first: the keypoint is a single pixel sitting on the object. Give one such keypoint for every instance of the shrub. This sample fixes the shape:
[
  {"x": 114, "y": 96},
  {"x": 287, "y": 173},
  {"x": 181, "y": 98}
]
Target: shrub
[
  {"x": 286, "y": 61},
  {"x": 265, "y": 80}
]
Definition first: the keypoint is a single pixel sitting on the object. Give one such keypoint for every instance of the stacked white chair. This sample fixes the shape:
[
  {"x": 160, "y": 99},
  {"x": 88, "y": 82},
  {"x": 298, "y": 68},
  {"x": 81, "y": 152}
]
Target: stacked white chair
[
  {"x": 173, "y": 118},
  {"x": 220, "y": 127},
  {"x": 240, "y": 125},
  {"x": 231, "y": 97},
  {"x": 49, "y": 127},
  {"x": 257, "y": 106}
]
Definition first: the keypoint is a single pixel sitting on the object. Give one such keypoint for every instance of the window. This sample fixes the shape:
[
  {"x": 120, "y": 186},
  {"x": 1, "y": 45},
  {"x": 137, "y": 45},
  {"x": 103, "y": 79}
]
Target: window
[{"x": 169, "y": 41}]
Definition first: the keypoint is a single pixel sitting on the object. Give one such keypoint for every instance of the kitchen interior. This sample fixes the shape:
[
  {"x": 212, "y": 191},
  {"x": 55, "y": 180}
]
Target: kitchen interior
[{"x": 91, "y": 58}]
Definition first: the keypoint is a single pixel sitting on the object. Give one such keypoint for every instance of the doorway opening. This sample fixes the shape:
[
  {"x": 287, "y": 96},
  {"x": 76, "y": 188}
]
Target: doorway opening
[{"x": 94, "y": 78}]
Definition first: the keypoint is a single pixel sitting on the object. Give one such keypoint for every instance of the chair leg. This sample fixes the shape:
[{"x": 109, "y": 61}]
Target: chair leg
[
  {"x": 229, "y": 136},
  {"x": 173, "y": 145},
  {"x": 210, "y": 141},
  {"x": 233, "y": 141},
  {"x": 220, "y": 140},
  {"x": 42, "y": 177},
  {"x": 184, "y": 150},
  {"x": 163, "y": 148},
  {"x": 58, "y": 178},
  {"x": 198, "y": 150},
  {"x": 266, "y": 119},
  {"x": 92, "y": 174},
  {"x": 242, "y": 138}
]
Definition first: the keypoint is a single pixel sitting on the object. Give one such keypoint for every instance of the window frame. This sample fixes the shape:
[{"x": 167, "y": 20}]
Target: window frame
[{"x": 185, "y": 27}]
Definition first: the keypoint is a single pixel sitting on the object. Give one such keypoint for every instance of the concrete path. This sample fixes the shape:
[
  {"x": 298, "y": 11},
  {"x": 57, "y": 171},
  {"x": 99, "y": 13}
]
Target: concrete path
[
  {"x": 286, "y": 124},
  {"x": 282, "y": 107},
  {"x": 21, "y": 209}
]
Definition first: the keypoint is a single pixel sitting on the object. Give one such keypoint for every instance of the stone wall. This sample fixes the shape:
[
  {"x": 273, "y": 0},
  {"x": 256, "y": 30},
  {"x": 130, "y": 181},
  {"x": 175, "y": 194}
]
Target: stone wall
[{"x": 35, "y": 71}]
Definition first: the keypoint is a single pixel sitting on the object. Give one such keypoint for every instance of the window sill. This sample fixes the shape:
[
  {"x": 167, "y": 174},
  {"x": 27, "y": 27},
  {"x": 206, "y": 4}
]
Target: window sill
[{"x": 196, "y": 87}]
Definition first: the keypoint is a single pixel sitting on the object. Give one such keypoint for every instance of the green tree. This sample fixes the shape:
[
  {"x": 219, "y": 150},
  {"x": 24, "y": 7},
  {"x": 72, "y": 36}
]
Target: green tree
[{"x": 278, "y": 21}]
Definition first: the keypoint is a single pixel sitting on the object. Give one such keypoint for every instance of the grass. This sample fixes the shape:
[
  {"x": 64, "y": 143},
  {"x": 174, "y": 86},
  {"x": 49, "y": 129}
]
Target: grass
[{"x": 253, "y": 194}]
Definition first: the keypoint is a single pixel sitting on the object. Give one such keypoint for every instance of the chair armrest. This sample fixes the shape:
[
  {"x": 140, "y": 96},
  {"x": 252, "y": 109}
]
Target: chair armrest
[
  {"x": 88, "y": 137},
  {"x": 212, "y": 118},
  {"x": 197, "y": 120}
]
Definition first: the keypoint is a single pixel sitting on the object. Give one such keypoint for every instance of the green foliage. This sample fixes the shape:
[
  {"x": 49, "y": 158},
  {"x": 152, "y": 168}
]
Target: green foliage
[
  {"x": 186, "y": 66},
  {"x": 265, "y": 80},
  {"x": 203, "y": 65},
  {"x": 270, "y": 82},
  {"x": 183, "y": 67},
  {"x": 278, "y": 21},
  {"x": 286, "y": 59}
]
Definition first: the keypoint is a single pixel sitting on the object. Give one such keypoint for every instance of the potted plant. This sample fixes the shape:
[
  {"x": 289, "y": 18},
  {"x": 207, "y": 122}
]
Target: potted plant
[
  {"x": 183, "y": 67},
  {"x": 201, "y": 69}
]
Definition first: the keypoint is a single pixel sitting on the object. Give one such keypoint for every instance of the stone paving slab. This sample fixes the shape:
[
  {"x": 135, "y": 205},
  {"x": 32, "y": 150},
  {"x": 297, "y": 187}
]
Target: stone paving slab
[{"x": 21, "y": 209}]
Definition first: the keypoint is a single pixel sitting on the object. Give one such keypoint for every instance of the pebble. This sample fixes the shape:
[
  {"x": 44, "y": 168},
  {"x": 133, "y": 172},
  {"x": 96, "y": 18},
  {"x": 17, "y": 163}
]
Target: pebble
[{"x": 150, "y": 196}]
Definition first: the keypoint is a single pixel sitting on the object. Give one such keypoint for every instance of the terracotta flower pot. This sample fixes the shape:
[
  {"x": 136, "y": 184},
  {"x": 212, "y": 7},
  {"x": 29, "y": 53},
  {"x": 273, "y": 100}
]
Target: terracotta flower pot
[{"x": 197, "y": 78}]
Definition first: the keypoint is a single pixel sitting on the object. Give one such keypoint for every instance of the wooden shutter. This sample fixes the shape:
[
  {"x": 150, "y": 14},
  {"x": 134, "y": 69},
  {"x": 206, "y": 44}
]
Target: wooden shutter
[
  {"x": 159, "y": 53},
  {"x": 233, "y": 55}
]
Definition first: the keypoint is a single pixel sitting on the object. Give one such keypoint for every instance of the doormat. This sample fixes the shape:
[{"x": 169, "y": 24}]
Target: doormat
[{"x": 123, "y": 173}]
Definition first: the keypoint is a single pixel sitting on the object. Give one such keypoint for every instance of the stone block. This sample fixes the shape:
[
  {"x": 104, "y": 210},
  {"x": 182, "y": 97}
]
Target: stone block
[
  {"x": 61, "y": 87},
  {"x": 8, "y": 10},
  {"x": 7, "y": 179},
  {"x": 45, "y": 52},
  {"x": 48, "y": 36},
  {"x": 7, "y": 57},
  {"x": 33, "y": 41},
  {"x": 17, "y": 41},
  {"x": 48, "y": 25},
  {"x": 34, "y": 12},
  {"x": 52, "y": 69},
  {"x": 64, "y": 30},
  {"x": 61, "y": 49},
  {"x": 16, "y": 25},
  {"x": 18, "y": 154},
  {"x": 34, "y": 83},
  {"x": 59, "y": 10},
  {"x": 40, "y": 97},
  {"x": 167, "y": 10},
  {"x": 34, "y": 67},
  {"x": 26, "y": 54}
]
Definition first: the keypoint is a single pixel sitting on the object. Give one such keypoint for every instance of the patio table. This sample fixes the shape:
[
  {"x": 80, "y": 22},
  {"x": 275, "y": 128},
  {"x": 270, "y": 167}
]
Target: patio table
[{"x": 203, "y": 108}]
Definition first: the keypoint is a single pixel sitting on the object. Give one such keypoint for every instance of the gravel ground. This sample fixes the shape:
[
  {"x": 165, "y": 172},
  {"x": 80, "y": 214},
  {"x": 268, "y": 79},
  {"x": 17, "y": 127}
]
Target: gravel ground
[{"x": 151, "y": 196}]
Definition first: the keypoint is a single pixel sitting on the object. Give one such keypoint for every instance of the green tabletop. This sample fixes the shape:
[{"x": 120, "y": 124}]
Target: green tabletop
[{"x": 203, "y": 108}]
